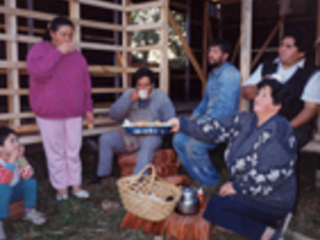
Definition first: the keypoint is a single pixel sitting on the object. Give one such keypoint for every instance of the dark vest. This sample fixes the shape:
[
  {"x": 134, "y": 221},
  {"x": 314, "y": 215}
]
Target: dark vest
[{"x": 295, "y": 84}]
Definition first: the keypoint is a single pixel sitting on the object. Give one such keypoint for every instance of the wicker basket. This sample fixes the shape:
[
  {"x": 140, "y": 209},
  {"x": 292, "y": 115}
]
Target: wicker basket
[{"x": 148, "y": 196}]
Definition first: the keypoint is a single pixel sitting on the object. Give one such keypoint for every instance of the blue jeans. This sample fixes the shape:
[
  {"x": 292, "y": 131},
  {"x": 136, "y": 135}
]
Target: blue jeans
[
  {"x": 111, "y": 142},
  {"x": 195, "y": 157},
  {"x": 25, "y": 189},
  {"x": 243, "y": 215}
]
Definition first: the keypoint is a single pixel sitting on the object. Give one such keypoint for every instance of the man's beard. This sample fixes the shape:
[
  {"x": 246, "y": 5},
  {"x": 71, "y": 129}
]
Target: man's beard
[{"x": 215, "y": 64}]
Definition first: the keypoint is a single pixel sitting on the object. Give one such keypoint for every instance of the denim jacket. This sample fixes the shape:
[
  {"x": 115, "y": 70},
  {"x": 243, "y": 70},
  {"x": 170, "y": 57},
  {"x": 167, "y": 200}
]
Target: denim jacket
[{"x": 221, "y": 97}]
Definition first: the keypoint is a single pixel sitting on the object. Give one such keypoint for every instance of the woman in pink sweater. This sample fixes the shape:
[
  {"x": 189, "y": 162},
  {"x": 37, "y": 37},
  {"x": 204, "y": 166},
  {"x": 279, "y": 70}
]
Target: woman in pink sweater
[{"x": 60, "y": 95}]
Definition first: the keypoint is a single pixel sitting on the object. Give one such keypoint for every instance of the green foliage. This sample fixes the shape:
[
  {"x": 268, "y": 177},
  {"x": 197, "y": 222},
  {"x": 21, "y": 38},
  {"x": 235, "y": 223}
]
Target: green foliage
[{"x": 152, "y": 37}]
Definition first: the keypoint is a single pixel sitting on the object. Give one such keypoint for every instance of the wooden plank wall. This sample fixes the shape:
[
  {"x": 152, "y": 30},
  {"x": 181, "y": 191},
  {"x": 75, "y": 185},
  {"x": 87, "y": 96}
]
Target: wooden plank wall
[{"x": 14, "y": 69}]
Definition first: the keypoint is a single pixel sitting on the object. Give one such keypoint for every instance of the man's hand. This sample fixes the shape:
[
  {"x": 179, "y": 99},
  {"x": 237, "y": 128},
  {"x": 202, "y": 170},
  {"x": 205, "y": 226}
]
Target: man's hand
[
  {"x": 192, "y": 118},
  {"x": 227, "y": 189},
  {"x": 175, "y": 124},
  {"x": 134, "y": 96},
  {"x": 66, "y": 48},
  {"x": 306, "y": 114},
  {"x": 249, "y": 92}
]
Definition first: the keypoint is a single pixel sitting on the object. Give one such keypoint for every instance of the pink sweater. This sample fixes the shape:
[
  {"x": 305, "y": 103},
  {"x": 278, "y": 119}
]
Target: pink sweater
[{"x": 60, "y": 85}]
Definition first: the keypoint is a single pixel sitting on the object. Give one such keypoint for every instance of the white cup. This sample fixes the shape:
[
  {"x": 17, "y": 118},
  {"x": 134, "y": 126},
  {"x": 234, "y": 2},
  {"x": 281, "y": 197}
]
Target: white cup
[{"x": 143, "y": 94}]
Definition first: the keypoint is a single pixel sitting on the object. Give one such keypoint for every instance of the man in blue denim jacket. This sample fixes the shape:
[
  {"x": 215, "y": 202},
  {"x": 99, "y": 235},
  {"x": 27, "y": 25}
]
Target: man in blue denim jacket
[{"x": 221, "y": 100}]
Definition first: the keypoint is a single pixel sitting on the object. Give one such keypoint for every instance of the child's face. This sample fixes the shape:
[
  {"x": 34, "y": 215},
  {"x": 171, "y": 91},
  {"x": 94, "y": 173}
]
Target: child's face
[{"x": 10, "y": 145}]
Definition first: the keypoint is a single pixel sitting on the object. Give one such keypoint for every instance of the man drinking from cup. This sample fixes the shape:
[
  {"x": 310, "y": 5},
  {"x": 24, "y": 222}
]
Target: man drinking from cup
[{"x": 144, "y": 103}]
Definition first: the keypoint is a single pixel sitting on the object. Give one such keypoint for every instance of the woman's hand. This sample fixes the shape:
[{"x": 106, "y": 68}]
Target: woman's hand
[
  {"x": 175, "y": 124},
  {"x": 227, "y": 189},
  {"x": 89, "y": 119},
  {"x": 66, "y": 48}
]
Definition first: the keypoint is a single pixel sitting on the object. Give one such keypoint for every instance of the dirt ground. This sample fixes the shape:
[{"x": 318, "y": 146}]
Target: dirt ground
[{"x": 85, "y": 219}]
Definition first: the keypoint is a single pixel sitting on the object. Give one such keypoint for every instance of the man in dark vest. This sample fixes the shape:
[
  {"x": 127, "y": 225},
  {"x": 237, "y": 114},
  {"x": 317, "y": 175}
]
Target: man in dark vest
[{"x": 292, "y": 69}]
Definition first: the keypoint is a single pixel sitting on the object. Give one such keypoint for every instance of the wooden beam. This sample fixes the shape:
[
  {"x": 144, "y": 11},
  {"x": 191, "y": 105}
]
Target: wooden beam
[
  {"x": 49, "y": 17},
  {"x": 205, "y": 37},
  {"x": 245, "y": 43},
  {"x": 178, "y": 5},
  {"x": 188, "y": 50},
  {"x": 102, "y": 4},
  {"x": 125, "y": 44},
  {"x": 144, "y": 6},
  {"x": 164, "y": 64},
  {"x": 28, "y": 140},
  {"x": 144, "y": 48},
  {"x": 318, "y": 60},
  {"x": 74, "y": 13},
  {"x": 235, "y": 51},
  {"x": 268, "y": 49},
  {"x": 100, "y": 46},
  {"x": 266, "y": 43},
  {"x": 144, "y": 27},
  {"x": 318, "y": 41},
  {"x": 12, "y": 55}
]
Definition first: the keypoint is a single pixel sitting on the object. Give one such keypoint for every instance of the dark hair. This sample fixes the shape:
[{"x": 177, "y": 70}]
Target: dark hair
[
  {"x": 224, "y": 45},
  {"x": 54, "y": 26},
  {"x": 143, "y": 72},
  {"x": 4, "y": 133},
  {"x": 301, "y": 37},
  {"x": 280, "y": 92}
]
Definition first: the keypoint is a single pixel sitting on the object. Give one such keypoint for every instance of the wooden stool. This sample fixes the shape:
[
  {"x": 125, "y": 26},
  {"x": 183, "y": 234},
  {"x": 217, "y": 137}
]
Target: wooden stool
[
  {"x": 16, "y": 210},
  {"x": 164, "y": 160},
  {"x": 175, "y": 226}
]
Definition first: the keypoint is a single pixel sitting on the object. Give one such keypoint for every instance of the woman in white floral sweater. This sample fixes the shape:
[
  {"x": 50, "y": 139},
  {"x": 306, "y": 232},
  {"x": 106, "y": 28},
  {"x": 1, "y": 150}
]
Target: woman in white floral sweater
[{"x": 260, "y": 156}]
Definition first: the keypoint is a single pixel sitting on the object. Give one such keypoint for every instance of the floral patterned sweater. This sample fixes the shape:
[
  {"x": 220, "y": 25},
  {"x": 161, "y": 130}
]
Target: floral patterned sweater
[
  {"x": 12, "y": 173},
  {"x": 260, "y": 159}
]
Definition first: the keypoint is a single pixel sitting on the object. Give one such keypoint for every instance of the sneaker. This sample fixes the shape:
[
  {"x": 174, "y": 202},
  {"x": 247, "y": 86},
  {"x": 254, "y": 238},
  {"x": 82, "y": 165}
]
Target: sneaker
[
  {"x": 81, "y": 194},
  {"x": 35, "y": 217},
  {"x": 2, "y": 232},
  {"x": 62, "y": 197}
]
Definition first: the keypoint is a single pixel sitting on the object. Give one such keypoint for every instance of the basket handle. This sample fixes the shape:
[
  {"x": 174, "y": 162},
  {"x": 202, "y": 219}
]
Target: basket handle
[{"x": 153, "y": 174}]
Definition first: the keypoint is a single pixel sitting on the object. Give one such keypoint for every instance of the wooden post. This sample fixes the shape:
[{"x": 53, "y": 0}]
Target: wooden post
[
  {"x": 74, "y": 13},
  {"x": 205, "y": 37},
  {"x": 318, "y": 60},
  {"x": 12, "y": 56},
  {"x": 125, "y": 78},
  {"x": 164, "y": 65},
  {"x": 245, "y": 42},
  {"x": 318, "y": 39},
  {"x": 188, "y": 51}
]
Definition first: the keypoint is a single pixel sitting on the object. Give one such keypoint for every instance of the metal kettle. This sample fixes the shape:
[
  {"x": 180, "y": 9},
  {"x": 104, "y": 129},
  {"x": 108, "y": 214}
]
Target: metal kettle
[{"x": 189, "y": 203}]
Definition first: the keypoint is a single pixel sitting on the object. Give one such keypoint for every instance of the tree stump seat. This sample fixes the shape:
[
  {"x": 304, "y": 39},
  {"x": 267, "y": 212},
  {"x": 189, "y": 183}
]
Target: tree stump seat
[
  {"x": 16, "y": 210},
  {"x": 164, "y": 160},
  {"x": 176, "y": 226}
]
